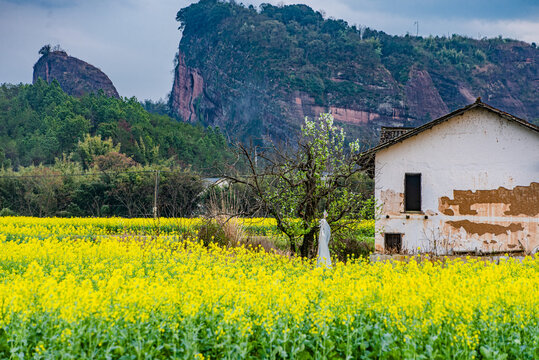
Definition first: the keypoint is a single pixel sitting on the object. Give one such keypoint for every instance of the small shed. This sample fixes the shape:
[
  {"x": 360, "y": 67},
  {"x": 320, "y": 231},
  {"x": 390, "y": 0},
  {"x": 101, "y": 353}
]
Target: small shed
[{"x": 465, "y": 182}]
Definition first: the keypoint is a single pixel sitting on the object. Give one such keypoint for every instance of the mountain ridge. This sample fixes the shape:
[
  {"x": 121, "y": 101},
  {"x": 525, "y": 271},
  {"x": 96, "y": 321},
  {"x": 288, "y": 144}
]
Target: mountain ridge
[{"x": 258, "y": 73}]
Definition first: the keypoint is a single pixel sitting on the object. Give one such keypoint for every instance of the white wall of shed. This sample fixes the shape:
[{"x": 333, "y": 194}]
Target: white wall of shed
[{"x": 473, "y": 151}]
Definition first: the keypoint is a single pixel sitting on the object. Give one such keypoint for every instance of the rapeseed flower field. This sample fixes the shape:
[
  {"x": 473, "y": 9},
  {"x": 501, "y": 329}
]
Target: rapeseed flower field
[{"x": 131, "y": 289}]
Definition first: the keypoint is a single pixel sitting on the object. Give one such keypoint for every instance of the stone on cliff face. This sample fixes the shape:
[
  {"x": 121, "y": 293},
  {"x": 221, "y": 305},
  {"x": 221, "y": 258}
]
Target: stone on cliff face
[
  {"x": 188, "y": 86},
  {"x": 75, "y": 76}
]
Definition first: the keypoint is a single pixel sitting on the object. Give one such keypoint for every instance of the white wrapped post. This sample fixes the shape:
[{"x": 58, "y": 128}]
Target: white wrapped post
[{"x": 324, "y": 257}]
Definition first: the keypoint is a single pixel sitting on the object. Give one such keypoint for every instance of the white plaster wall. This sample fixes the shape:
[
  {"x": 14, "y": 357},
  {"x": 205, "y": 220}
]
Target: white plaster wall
[{"x": 476, "y": 150}]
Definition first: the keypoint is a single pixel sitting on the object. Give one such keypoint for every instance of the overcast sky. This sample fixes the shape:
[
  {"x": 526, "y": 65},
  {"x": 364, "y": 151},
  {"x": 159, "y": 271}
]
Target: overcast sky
[{"x": 134, "y": 41}]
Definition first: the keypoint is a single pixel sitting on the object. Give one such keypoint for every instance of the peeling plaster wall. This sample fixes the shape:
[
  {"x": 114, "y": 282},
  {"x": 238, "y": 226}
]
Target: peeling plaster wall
[{"x": 479, "y": 187}]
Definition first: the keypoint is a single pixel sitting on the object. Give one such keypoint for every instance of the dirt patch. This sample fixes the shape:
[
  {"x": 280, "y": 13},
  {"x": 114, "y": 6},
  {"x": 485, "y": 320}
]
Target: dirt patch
[
  {"x": 522, "y": 200},
  {"x": 484, "y": 228}
]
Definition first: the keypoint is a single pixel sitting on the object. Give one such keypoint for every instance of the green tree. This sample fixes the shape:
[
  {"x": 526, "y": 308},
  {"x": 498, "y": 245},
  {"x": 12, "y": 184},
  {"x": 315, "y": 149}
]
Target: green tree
[
  {"x": 92, "y": 147},
  {"x": 297, "y": 185},
  {"x": 113, "y": 162},
  {"x": 45, "y": 49}
]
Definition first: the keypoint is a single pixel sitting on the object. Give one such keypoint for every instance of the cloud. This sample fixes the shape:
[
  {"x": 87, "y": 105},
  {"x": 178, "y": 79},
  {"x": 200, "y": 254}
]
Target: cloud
[
  {"x": 518, "y": 19},
  {"x": 454, "y": 9},
  {"x": 132, "y": 41}
]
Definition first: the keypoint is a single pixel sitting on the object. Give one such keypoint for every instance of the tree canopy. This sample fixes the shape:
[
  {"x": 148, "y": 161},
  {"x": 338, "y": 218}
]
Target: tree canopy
[{"x": 297, "y": 185}]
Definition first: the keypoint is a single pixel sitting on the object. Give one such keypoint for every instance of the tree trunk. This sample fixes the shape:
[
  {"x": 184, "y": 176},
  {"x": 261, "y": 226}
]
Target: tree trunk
[
  {"x": 307, "y": 246},
  {"x": 292, "y": 245}
]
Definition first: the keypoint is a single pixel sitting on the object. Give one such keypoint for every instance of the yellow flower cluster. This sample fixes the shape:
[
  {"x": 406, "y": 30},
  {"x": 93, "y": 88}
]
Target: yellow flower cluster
[
  {"x": 17, "y": 227},
  {"x": 69, "y": 289}
]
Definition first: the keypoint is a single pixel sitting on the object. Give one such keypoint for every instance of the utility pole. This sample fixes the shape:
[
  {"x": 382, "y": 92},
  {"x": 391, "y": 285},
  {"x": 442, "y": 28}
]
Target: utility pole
[
  {"x": 155, "y": 194},
  {"x": 416, "y": 23}
]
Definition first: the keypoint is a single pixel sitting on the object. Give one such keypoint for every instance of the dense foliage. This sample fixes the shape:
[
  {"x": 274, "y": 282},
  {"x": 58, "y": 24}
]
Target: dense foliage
[
  {"x": 65, "y": 190},
  {"x": 255, "y": 61},
  {"x": 69, "y": 290},
  {"x": 40, "y": 122}
]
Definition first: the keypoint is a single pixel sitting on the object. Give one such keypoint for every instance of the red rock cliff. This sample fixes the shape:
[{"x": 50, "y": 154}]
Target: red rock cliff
[{"x": 188, "y": 86}]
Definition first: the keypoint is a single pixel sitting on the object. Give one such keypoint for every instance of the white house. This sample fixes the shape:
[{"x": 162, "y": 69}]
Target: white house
[{"x": 466, "y": 182}]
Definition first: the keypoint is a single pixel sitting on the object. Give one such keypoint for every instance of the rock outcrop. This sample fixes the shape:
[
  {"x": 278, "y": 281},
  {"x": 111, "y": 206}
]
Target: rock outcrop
[
  {"x": 422, "y": 98},
  {"x": 75, "y": 76}
]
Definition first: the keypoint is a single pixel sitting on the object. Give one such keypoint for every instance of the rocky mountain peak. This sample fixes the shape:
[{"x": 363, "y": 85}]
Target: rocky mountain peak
[{"x": 75, "y": 76}]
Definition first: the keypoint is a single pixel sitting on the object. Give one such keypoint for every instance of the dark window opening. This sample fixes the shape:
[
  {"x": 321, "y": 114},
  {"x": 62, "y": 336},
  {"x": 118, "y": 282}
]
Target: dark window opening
[
  {"x": 393, "y": 243},
  {"x": 412, "y": 192}
]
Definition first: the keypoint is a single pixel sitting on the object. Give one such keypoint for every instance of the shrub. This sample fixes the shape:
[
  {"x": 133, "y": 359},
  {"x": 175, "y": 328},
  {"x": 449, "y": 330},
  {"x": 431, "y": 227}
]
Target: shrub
[
  {"x": 221, "y": 231},
  {"x": 212, "y": 232},
  {"x": 347, "y": 247},
  {"x": 7, "y": 212}
]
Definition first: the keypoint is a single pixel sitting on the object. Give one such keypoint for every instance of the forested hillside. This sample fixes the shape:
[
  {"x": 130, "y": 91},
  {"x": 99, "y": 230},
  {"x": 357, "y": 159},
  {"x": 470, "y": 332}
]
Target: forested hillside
[
  {"x": 256, "y": 72},
  {"x": 40, "y": 123}
]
